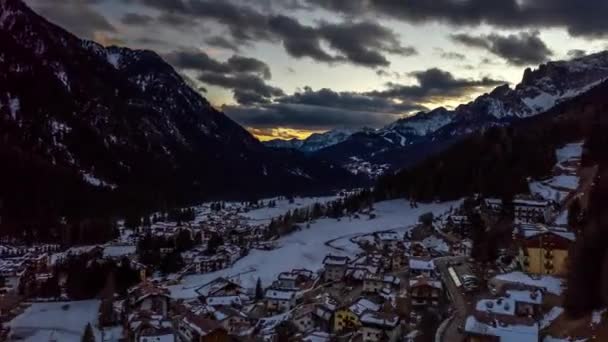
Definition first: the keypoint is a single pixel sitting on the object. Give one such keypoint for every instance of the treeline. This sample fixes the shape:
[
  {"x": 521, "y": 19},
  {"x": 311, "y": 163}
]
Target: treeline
[
  {"x": 164, "y": 253},
  {"x": 350, "y": 204},
  {"x": 588, "y": 272}
]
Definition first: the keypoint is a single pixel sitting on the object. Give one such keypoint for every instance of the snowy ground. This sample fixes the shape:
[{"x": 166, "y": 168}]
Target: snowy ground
[
  {"x": 307, "y": 248},
  {"x": 263, "y": 215},
  {"x": 57, "y": 321}
]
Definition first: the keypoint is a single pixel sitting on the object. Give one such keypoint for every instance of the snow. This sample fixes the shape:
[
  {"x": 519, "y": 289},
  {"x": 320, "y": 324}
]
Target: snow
[
  {"x": 565, "y": 181},
  {"x": 14, "y": 106},
  {"x": 264, "y": 215},
  {"x": 546, "y": 191},
  {"x": 550, "y": 316},
  {"x": 541, "y": 102},
  {"x": 551, "y": 284},
  {"x": 59, "y": 321},
  {"x": 91, "y": 179},
  {"x": 596, "y": 316},
  {"x": 567, "y": 339},
  {"x": 308, "y": 247},
  {"x": 569, "y": 152},
  {"x": 421, "y": 124},
  {"x": 506, "y": 333},
  {"x": 114, "y": 59},
  {"x": 118, "y": 250},
  {"x": 63, "y": 77},
  {"x": 437, "y": 244}
]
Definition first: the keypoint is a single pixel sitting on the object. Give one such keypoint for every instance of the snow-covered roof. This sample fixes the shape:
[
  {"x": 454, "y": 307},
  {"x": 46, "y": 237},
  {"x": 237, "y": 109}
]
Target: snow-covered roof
[
  {"x": 505, "y": 331},
  {"x": 533, "y": 230},
  {"x": 335, "y": 260},
  {"x": 380, "y": 319},
  {"x": 425, "y": 281},
  {"x": 421, "y": 264},
  {"x": 279, "y": 294},
  {"x": 362, "y": 305},
  {"x": 223, "y": 300}
]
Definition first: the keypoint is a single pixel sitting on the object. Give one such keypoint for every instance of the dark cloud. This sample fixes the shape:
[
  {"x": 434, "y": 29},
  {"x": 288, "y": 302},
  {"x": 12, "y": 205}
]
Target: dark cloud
[
  {"x": 136, "y": 19},
  {"x": 580, "y": 18},
  {"x": 520, "y": 49},
  {"x": 245, "y": 76},
  {"x": 576, "y": 53},
  {"x": 176, "y": 20},
  {"x": 222, "y": 42},
  {"x": 363, "y": 42},
  {"x": 247, "y": 64},
  {"x": 348, "y": 100},
  {"x": 77, "y": 16},
  {"x": 434, "y": 84},
  {"x": 299, "y": 40},
  {"x": 299, "y": 116}
]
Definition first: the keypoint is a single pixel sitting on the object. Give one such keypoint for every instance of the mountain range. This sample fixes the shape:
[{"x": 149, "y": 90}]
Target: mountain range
[
  {"x": 79, "y": 120},
  {"x": 409, "y": 140}
]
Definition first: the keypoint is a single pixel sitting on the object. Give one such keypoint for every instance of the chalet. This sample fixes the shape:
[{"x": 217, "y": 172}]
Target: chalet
[
  {"x": 421, "y": 266},
  {"x": 279, "y": 300},
  {"x": 144, "y": 326},
  {"x": 295, "y": 279},
  {"x": 374, "y": 283},
  {"x": 481, "y": 327},
  {"x": 347, "y": 318},
  {"x": 335, "y": 267},
  {"x": 232, "y": 320},
  {"x": 544, "y": 249},
  {"x": 231, "y": 301},
  {"x": 196, "y": 328},
  {"x": 388, "y": 240},
  {"x": 425, "y": 291},
  {"x": 303, "y": 318},
  {"x": 149, "y": 298},
  {"x": 324, "y": 311},
  {"x": 380, "y": 326},
  {"x": 220, "y": 287}
]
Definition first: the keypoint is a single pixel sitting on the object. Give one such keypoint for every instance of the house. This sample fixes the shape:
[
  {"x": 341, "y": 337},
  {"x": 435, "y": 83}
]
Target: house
[
  {"x": 324, "y": 311},
  {"x": 220, "y": 287},
  {"x": 421, "y": 266},
  {"x": 481, "y": 327},
  {"x": 232, "y": 320},
  {"x": 348, "y": 318},
  {"x": 144, "y": 326},
  {"x": 374, "y": 283},
  {"x": 303, "y": 318},
  {"x": 148, "y": 297},
  {"x": 196, "y": 328},
  {"x": 279, "y": 300},
  {"x": 425, "y": 291},
  {"x": 335, "y": 267},
  {"x": 544, "y": 249},
  {"x": 388, "y": 240},
  {"x": 380, "y": 326}
]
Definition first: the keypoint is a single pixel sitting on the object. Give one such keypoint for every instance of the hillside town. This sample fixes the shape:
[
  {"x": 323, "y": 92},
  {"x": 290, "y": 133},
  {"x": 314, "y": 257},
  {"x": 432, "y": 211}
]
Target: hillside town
[{"x": 485, "y": 269}]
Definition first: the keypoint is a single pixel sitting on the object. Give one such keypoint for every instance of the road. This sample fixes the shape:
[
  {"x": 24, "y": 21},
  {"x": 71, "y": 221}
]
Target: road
[{"x": 456, "y": 296}]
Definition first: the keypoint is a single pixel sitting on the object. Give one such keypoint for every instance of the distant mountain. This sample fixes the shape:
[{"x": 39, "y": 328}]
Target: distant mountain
[
  {"x": 409, "y": 140},
  {"x": 314, "y": 142},
  {"x": 80, "y": 122}
]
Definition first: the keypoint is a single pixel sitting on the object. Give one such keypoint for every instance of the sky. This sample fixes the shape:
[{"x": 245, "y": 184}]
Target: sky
[{"x": 288, "y": 68}]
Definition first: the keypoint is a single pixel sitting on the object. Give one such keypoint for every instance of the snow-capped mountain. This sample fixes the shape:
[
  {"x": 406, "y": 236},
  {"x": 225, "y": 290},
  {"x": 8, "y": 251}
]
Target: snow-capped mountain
[
  {"x": 410, "y": 139},
  {"x": 95, "y": 118},
  {"x": 314, "y": 142}
]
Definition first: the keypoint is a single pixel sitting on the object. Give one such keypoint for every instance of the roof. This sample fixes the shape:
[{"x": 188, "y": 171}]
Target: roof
[
  {"x": 215, "y": 286},
  {"x": 380, "y": 319},
  {"x": 388, "y": 279},
  {"x": 519, "y": 330},
  {"x": 421, "y": 264},
  {"x": 145, "y": 290},
  {"x": 425, "y": 281},
  {"x": 335, "y": 260},
  {"x": 279, "y": 294},
  {"x": 362, "y": 305},
  {"x": 528, "y": 231},
  {"x": 201, "y": 325}
]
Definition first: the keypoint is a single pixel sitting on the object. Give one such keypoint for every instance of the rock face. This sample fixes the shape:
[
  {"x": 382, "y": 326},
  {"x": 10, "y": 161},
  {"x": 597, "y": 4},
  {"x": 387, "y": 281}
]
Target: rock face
[
  {"x": 410, "y": 139},
  {"x": 121, "y": 120}
]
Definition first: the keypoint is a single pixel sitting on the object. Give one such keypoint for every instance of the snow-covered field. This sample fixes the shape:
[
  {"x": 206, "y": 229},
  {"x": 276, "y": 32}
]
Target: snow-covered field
[
  {"x": 264, "y": 215},
  {"x": 57, "y": 321},
  {"x": 307, "y": 248}
]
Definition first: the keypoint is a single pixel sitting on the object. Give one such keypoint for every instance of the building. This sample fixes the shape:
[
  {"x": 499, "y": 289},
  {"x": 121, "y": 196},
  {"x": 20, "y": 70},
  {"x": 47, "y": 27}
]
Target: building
[
  {"x": 380, "y": 326},
  {"x": 220, "y": 287},
  {"x": 149, "y": 298},
  {"x": 544, "y": 249},
  {"x": 303, "y": 318},
  {"x": 279, "y": 300},
  {"x": 335, "y": 267},
  {"x": 526, "y": 209},
  {"x": 421, "y": 266},
  {"x": 348, "y": 318},
  {"x": 425, "y": 291},
  {"x": 195, "y": 328},
  {"x": 374, "y": 283}
]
